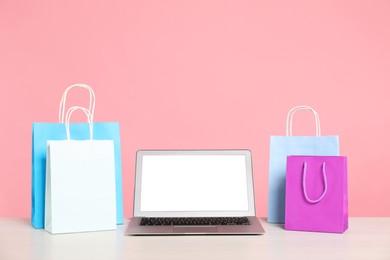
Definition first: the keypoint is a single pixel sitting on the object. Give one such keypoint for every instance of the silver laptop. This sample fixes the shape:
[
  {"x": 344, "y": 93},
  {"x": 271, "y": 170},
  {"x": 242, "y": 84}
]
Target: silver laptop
[{"x": 194, "y": 192}]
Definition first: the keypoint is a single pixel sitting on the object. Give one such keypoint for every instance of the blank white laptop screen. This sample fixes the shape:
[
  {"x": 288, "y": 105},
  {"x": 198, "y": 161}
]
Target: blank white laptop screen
[{"x": 194, "y": 183}]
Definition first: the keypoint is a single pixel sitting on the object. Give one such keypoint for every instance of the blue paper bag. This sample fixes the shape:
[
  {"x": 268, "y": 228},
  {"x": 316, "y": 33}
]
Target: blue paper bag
[
  {"x": 283, "y": 146},
  {"x": 41, "y": 133}
]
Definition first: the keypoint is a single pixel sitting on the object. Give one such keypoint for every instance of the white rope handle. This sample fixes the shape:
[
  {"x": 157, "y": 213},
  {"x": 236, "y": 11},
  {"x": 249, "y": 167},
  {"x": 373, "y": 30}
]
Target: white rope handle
[
  {"x": 68, "y": 116},
  {"x": 290, "y": 115},
  {"x": 92, "y": 101},
  {"x": 304, "y": 184}
]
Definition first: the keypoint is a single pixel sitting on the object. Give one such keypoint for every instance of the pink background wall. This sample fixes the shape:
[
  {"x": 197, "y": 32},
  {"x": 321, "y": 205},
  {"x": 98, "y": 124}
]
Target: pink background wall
[{"x": 201, "y": 74}]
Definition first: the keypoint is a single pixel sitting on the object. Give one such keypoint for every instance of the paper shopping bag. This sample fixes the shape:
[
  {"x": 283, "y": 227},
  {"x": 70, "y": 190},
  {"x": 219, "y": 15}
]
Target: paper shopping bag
[
  {"x": 42, "y": 132},
  {"x": 280, "y": 148},
  {"x": 80, "y": 184},
  {"x": 317, "y": 193}
]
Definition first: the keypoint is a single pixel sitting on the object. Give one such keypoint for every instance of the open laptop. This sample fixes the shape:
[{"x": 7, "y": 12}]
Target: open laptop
[{"x": 194, "y": 192}]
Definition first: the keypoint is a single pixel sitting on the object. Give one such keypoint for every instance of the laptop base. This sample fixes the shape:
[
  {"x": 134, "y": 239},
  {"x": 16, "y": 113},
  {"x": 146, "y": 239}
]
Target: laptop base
[{"x": 254, "y": 228}]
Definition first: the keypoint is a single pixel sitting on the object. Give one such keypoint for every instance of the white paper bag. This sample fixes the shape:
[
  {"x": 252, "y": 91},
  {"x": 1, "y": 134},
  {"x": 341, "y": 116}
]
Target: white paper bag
[{"x": 80, "y": 183}]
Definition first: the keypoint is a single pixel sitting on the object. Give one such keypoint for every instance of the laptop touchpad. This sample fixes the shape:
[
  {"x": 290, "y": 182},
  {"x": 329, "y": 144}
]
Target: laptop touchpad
[{"x": 187, "y": 229}]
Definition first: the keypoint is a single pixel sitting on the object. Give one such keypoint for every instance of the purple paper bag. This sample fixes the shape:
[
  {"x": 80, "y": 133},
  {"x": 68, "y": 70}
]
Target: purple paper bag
[{"x": 316, "y": 193}]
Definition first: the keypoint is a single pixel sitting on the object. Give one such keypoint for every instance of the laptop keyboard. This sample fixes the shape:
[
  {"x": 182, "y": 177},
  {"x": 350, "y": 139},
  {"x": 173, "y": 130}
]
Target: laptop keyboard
[{"x": 204, "y": 221}]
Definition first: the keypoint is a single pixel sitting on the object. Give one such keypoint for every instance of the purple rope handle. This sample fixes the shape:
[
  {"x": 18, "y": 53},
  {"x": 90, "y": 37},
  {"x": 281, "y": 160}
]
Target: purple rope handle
[{"x": 304, "y": 184}]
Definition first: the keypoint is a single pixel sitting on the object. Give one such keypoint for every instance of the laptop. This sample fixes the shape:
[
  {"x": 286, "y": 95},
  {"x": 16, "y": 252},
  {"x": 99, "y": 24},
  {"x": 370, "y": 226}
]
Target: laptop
[{"x": 179, "y": 192}]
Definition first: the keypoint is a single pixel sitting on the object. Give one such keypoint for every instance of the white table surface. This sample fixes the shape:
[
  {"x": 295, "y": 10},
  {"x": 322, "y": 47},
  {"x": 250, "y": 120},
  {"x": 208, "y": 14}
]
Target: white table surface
[{"x": 366, "y": 238}]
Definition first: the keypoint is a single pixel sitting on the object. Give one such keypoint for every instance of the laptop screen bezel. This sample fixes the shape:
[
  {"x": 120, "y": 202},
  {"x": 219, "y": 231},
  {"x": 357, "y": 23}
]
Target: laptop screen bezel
[{"x": 138, "y": 184}]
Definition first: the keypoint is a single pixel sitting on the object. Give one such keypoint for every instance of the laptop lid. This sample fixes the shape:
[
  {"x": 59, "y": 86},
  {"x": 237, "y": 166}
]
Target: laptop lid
[{"x": 191, "y": 183}]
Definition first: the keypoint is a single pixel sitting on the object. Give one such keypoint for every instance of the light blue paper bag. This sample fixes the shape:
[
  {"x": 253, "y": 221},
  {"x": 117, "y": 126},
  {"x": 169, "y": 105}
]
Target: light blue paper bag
[
  {"x": 42, "y": 132},
  {"x": 280, "y": 148}
]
